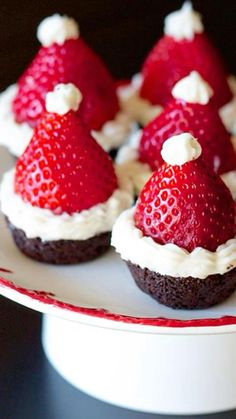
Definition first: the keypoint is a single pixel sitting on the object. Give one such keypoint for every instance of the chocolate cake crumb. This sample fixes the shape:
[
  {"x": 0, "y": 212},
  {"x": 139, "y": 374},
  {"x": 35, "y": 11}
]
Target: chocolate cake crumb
[
  {"x": 61, "y": 252},
  {"x": 184, "y": 293}
]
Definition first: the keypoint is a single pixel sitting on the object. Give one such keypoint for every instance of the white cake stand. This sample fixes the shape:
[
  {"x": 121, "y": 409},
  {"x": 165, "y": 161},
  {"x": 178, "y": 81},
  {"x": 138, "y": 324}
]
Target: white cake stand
[{"x": 107, "y": 338}]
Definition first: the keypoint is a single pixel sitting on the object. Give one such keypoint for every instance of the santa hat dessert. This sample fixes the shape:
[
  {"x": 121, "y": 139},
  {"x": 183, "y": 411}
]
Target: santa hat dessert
[
  {"x": 179, "y": 240},
  {"x": 190, "y": 110},
  {"x": 63, "y": 57},
  {"x": 183, "y": 48},
  {"x": 63, "y": 197}
]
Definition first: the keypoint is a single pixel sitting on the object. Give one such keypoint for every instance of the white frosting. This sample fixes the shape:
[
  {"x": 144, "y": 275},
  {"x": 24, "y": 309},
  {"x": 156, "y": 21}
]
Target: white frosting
[
  {"x": 139, "y": 109},
  {"x": 57, "y": 28},
  {"x": 127, "y": 160},
  {"x": 183, "y": 23},
  {"x": 180, "y": 149},
  {"x": 229, "y": 179},
  {"x": 193, "y": 89},
  {"x": 64, "y": 98},
  {"x": 129, "y": 152},
  {"x": 228, "y": 116},
  {"x": 137, "y": 173},
  {"x": 169, "y": 259},
  {"x": 43, "y": 223},
  {"x": 228, "y": 111},
  {"x": 14, "y": 136},
  {"x": 116, "y": 132}
]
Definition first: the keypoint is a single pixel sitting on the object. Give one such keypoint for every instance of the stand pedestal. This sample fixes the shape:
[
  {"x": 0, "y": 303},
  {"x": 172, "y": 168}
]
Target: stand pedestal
[{"x": 152, "y": 372}]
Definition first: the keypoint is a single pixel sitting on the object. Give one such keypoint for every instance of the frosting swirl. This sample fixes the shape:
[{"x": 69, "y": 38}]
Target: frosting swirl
[
  {"x": 43, "y": 223},
  {"x": 169, "y": 259}
]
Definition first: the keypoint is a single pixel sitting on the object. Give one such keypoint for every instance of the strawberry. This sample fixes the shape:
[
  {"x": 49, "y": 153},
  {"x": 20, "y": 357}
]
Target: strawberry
[
  {"x": 171, "y": 60},
  {"x": 74, "y": 62},
  {"x": 187, "y": 205},
  {"x": 63, "y": 169},
  {"x": 202, "y": 121}
]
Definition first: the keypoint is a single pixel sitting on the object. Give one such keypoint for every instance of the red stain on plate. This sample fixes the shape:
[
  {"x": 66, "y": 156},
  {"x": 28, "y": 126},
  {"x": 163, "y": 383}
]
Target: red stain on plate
[
  {"x": 49, "y": 298},
  {"x": 6, "y": 270}
]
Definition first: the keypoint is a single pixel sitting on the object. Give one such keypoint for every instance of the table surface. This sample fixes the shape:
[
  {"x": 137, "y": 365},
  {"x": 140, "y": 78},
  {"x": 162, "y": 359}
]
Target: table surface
[{"x": 31, "y": 389}]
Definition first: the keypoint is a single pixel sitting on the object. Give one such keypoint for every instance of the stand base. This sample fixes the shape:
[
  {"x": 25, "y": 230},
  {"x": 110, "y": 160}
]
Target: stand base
[{"x": 174, "y": 374}]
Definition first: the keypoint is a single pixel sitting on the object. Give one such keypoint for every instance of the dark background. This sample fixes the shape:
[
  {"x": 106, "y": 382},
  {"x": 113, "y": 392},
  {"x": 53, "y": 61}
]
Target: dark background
[{"x": 121, "y": 32}]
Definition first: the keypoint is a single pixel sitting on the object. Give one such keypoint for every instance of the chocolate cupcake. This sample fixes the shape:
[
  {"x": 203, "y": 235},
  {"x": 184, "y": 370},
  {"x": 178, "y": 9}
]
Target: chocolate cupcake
[
  {"x": 63, "y": 197},
  {"x": 61, "y": 252},
  {"x": 179, "y": 240}
]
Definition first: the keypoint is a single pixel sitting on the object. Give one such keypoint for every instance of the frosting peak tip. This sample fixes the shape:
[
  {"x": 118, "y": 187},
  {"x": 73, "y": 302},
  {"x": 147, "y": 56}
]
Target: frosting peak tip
[
  {"x": 181, "y": 149},
  {"x": 183, "y": 23},
  {"x": 58, "y": 29},
  {"x": 193, "y": 89},
  {"x": 64, "y": 98}
]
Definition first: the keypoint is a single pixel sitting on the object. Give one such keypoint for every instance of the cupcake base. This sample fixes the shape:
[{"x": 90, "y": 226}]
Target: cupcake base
[
  {"x": 61, "y": 252},
  {"x": 184, "y": 293}
]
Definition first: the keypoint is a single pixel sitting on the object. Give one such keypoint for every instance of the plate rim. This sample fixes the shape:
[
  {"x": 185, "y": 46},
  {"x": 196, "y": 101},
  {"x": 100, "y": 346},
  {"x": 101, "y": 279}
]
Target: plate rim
[
  {"x": 46, "y": 302},
  {"x": 49, "y": 299}
]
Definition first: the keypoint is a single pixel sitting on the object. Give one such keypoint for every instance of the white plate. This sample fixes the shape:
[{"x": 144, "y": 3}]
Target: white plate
[{"x": 101, "y": 292}]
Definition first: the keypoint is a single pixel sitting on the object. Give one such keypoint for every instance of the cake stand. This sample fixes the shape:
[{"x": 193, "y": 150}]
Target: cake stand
[{"x": 107, "y": 338}]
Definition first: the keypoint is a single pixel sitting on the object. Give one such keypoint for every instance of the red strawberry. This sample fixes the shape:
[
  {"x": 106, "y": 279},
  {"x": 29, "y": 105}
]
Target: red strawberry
[
  {"x": 202, "y": 121},
  {"x": 186, "y": 205},
  {"x": 71, "y": 62},
  {"x": 63, "y": 168},
  {"x": 171, "y": 60}
]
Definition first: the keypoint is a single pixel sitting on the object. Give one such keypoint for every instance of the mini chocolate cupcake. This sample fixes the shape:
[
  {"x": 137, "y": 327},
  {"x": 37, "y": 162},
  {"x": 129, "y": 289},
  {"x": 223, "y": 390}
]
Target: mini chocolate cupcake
[
  {"x": 63, "y": 197},
  {"x": 179, "y": 240}
]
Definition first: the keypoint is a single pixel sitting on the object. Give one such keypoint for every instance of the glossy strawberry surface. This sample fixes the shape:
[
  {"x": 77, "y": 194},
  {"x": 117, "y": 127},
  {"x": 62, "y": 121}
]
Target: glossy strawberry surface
[
  {"x": 170, "y": 61},
  {"x": 201, "y": 121},
  {"x": 73, "y": 62},
  {"x": 186, "y": 205},
  {"x": 63, "y": 169}
]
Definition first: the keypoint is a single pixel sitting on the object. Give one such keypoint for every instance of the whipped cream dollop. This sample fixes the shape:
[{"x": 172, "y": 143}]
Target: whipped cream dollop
[
  {"x": 181, "y": 149},
  {"x": 116, "y": 132},
  {"x": 129, "y": 151},
  {"x": 127, "y": 160},
  {"x": 64, "y": 98},
  {"x": 169, "y": 259},
  {"x": 228, "y": 111},
  {"x": 138, "y": 108},
  {"x": 57, "y": 28},
  {"x": 229, "y": 179},
  {"x": 14, "y": 136},
  {"x": 43, "y": 223},
  {"x": 183, "y": 23},
  {"x": 193, "y": 89},
  {"x": 137, "y": 173},
  {"x": 228, "y": 116}
]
